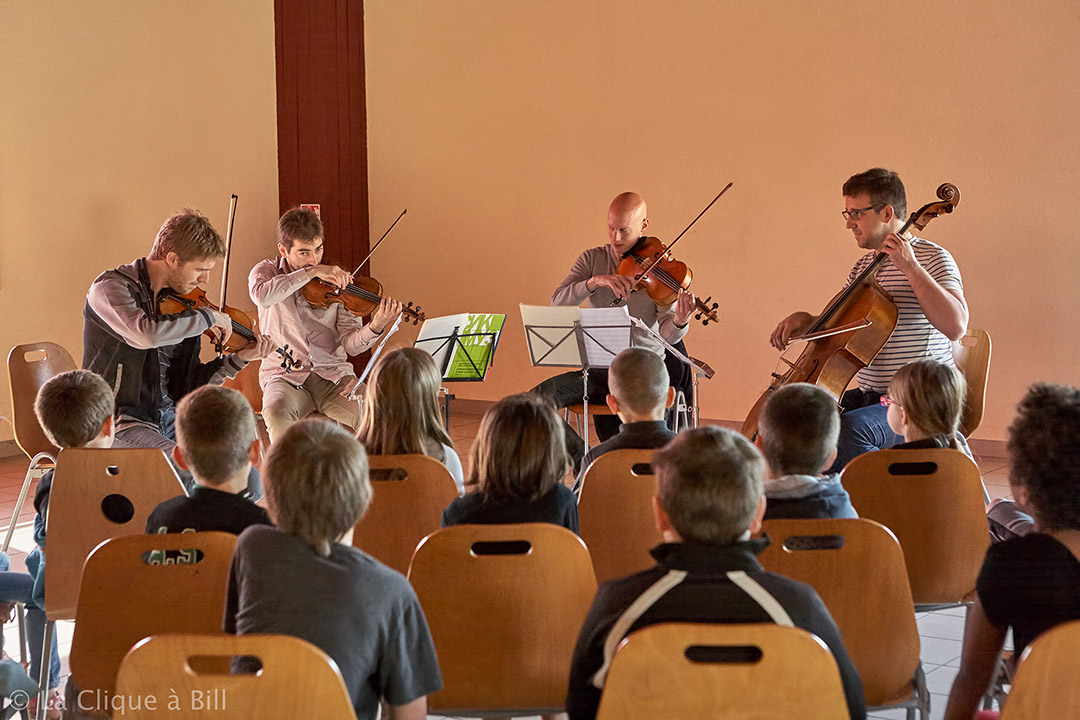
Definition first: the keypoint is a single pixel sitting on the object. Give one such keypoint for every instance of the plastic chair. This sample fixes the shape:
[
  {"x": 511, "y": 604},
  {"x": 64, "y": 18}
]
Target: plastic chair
[
  {"x": 504, "y": 604},
  {"x": 857, "y": 568},
  {"x": 615, "y": 513},
  {"x": 296, "y": 680},
  {"x": 932, "y": 500},
  {"x": 1045, "y": 686},
  {"x": 29, "y": 367},
  {"x": 96, "y": 495},
  {"x": 971, "y": 353},
  {"x": 752, "y": 670},
  {"x": 123, "y": 599},
  {"x": 409, "y": 493}
]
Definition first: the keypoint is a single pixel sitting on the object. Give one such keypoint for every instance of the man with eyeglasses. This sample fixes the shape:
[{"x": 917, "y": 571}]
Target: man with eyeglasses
[{"x": 925, "y": 284}]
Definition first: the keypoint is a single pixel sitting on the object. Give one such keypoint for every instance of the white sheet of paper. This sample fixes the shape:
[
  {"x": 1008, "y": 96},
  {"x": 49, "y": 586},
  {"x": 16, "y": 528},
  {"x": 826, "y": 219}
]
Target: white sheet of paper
[
  {"x": 607, "y": 333},
  {"x": 549, "y": 332}
]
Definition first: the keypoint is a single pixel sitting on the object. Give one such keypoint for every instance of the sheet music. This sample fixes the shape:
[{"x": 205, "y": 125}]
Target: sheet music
[
  {"x": 606, "y": 333},
  {"x": 549, "y": 332}
]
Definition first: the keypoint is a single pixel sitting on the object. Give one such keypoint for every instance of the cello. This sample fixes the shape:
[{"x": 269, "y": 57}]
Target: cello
[{"x": 853, "y": 327}]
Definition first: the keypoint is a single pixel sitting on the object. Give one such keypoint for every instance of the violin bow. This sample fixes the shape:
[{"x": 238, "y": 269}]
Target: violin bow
[
  {"x": 225, "y": 264},
  {"x": 372, "y": 252},
  {"x": 687, "y": 229}
]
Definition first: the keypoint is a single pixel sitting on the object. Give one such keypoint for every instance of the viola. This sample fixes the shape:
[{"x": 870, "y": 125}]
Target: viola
[
  {"x": 652, "y": 268},
  {"x": 853, "y": 327},
  {"x": 360, "y": 297},
  {"x": 244, "y": 327}
]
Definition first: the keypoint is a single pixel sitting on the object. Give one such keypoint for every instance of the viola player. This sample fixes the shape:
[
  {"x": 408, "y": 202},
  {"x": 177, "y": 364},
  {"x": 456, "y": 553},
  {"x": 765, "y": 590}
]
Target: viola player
[
  {"x": 594, "y": 281},
  {"x": 320, "y": 338},
  {"x": 151, "y": 360},
  {"x": 925, "y": 284}
]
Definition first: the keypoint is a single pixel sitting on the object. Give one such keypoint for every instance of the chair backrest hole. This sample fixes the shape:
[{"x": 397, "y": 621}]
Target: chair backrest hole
[
  {"x": 224, "y": 664},
  {"x": 388, "y": 474},
  {"x": 796, "y": 543},
  {"x": 502, "y": 547},
  {"x": 117, "y": 508},
  {"x": 913, "y": 468},
  {"x": 724, "y": 654},
  {"x": 641, "y": 469},
  {"x": 112, "y": 470},
  {"x": 33, "y": 356}
]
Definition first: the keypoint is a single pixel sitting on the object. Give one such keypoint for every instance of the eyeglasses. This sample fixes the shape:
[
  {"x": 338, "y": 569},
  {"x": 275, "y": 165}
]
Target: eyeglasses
[
  {"x": 887, "y": 401},
  {"x": 858, "y": 213}
]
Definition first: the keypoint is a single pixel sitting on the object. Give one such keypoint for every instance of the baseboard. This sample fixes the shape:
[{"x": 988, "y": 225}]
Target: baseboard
[{"x": 988, "y": 448}]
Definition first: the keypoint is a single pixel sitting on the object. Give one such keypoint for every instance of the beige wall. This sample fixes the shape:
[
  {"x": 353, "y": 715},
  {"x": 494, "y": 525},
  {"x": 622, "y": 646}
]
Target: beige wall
[
  {"x": 506, "y": 128},
  {"x": 114, "y": 115}
]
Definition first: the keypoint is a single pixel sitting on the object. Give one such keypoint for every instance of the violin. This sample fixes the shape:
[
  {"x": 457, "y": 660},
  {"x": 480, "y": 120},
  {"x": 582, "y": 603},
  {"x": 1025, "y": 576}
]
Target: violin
[
  {"x": 360, "y": 297},
  {"x": 244, "y": 327},
  {"x": 853, "y": 327},
  {"x": 653, "y": 269}
]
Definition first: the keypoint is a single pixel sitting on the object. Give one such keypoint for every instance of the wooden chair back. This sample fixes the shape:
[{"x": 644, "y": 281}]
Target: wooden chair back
[
  {"x": 972, "y": 356},
  {"x": 409, "y": 493},
  {"x": 246, "y": 382},
  {"x": 123, "y": 598},
  {"x": 615, "y": 513},
  {"x": 1044, "y": 686},
  {"x": 504, "y": 604},
  {"x": 752, "y": 670},
  {"x": 29, "y": 367},
  {"x": 857, "y": 567},
  {"x": 932, "y": 500},
  {"x": 297, "y": 679},
  {"x": 97, "y": 495}
]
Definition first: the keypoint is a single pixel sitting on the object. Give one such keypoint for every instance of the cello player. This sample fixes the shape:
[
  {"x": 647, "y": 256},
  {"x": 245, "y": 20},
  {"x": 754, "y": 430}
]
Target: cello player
[{"x": 924, "y": 282}]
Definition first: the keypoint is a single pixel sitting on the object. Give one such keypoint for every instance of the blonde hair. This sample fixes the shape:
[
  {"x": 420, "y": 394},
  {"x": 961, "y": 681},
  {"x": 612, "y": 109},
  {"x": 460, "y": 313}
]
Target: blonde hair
[
  {"x": 317, "y": 483},
  {"x": 520, "y": 451},
  {"x": 190, "y": 235},
  {"x": 215, "y": 428},
  {"x": 932, "y": 394},
  {"x": 639, "y": 380},
  {"x": 401, "y": 407},
  {"x": 73, "y": 406}
]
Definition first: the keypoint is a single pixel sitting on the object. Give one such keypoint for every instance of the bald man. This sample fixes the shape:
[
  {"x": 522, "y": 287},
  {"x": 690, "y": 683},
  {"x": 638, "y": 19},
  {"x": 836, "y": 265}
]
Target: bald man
[{"x": 594, "y": 281}]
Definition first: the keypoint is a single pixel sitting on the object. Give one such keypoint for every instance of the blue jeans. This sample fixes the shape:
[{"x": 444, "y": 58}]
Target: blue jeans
[
  {"x": 35, "y": 622},
  {"x": 863, "y": 427}
]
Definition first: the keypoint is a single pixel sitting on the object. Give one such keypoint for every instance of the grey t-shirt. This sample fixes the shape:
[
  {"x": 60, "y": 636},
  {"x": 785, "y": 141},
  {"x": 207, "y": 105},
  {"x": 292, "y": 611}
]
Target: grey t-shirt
[{"x": 360, "y": 612}]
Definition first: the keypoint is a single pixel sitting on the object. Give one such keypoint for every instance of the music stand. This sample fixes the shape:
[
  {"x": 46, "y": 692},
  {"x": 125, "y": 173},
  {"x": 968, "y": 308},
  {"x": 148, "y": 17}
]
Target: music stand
[
  {"x": 461, "y": 356},
  {"x": 599, "y": 334}
]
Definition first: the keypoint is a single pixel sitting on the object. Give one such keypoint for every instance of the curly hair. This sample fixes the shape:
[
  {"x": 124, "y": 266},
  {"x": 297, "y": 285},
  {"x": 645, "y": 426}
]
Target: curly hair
[{"x": 1044, "y": 450}]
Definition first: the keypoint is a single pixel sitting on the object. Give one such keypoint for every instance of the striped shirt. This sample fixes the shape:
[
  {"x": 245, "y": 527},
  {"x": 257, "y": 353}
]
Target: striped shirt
[{"x": 914, "y": 337}]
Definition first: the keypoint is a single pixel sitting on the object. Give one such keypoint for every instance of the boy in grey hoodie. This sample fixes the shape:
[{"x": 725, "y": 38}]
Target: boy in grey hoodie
[{"x": 799, "y": 428}]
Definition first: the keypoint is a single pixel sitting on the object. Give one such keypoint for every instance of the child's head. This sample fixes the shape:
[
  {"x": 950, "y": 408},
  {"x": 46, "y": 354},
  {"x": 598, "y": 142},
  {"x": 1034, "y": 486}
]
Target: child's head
[
  {"x": 709, "y": 486},
  {"x": 317, "y": 483},
  {"x": 799, "y": 429},
  {"x": 1044, "y": 450},
  {"x": 215, "y": 434},
  {"x": 75, "y": 409},
  {"x": 638, "y": 380},
  {"x": 401, "y": 405},
  {"x": 928, "y": 397},
  {"x": 520, "y": 450}
]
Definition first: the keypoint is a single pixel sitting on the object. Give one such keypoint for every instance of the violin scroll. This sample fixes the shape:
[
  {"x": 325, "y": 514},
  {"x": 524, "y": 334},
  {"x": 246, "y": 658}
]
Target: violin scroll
[{"x": 706, "y": 313}]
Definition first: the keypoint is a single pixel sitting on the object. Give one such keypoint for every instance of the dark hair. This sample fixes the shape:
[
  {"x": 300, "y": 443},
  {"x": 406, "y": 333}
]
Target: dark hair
[
  {"x": 298, "y": 224},
  {"x": 215, "y": 427},
  {"x": 800, "y": 425},
  {"x": 520, "y": 450},
  {"x": 190, "y": 235},
  {"x": 710, "y": 482},
  {"x": 882, "y": 186},
  {"x": 1044, "y": 450},
  {"x": 73, "y": 406}
]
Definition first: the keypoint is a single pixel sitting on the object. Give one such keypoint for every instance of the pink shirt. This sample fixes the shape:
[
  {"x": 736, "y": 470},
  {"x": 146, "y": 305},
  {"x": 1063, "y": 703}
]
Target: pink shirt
[{"x": 321, "y": 339}]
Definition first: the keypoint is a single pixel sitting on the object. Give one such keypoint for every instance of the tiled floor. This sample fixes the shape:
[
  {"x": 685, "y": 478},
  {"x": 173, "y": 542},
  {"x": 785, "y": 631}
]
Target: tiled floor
[{"x": 941, "y": 632}]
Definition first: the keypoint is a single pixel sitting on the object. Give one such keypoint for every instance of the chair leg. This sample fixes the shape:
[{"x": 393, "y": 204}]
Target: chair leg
[
  {"x": 24, "y": 645},
  {"x": 922, "y": 693},
  {"x": 35, "y": 469},
  {"x": 46, "y": 662}
]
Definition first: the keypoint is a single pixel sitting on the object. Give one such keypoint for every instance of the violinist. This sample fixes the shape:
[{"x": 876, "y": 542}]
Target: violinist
[
  {"x": 320, "y": 338},
  {"x": 925, "y": 285},
  {"x": 151, "y": 360},
  {"x": 594, "y": 280}
]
